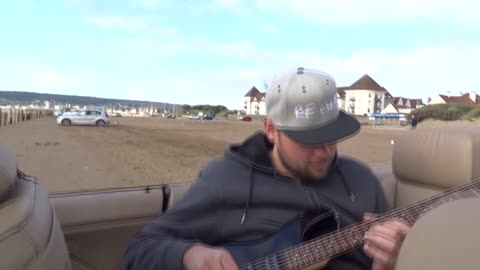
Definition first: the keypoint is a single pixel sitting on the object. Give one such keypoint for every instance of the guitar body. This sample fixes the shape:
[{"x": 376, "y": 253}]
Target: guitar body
[{"x": 266, "y": 253}]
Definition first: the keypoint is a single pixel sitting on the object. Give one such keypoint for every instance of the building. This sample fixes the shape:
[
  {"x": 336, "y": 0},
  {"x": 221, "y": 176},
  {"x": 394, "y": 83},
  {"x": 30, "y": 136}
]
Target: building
[
  {"x": 402, "y": 105},
  {"x": 363, "y": 97},
  {"x": 254, "y": 102},
  {"x": 467, "y": 98}
]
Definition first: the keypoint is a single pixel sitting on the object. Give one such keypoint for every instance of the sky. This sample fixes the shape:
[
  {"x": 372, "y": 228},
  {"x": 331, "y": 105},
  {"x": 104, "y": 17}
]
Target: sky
[{"x": 213, "y": 51}]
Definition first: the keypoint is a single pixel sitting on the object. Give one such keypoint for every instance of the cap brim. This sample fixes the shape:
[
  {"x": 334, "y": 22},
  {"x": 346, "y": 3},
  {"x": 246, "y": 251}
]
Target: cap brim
[{"x": 344, "y": 127}]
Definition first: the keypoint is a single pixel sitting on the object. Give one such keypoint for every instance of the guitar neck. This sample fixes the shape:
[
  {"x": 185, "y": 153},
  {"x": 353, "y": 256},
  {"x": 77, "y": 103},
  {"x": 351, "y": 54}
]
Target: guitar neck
[{"x": 341, "y": 241}]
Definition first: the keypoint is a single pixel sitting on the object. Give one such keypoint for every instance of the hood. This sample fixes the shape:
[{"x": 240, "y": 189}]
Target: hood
[{"x": 254, "y": 152}]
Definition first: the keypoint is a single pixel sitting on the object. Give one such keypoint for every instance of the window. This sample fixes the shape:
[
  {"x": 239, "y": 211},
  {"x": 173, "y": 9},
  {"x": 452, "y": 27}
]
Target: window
[{"x": 352, "y": 103}]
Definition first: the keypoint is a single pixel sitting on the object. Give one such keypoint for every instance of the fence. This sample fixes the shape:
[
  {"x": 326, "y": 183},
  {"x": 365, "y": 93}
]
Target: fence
[{"x": 9, "y": 116}]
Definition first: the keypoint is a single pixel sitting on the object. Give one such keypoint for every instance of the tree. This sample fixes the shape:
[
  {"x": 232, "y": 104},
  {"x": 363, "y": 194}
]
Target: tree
[{"x": 186, "y": 108}]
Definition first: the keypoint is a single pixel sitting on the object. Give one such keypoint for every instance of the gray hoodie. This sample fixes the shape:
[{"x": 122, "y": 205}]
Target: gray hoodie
[{"x": 240, "y": 198}]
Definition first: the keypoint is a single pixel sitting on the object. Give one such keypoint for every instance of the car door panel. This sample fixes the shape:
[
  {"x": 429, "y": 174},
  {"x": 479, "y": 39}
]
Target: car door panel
[
  {"x": 77, "y": 118},
  {"x": 98, "y": 225},
  {"x": 90, "y": 117}
]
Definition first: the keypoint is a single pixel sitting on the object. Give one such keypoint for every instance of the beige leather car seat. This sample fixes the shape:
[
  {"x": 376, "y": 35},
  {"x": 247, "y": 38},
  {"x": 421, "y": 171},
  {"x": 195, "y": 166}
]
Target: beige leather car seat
[
  {"x": 444, "y": 238},
  {"x": 30, "y": 235},
  {"x": 428, "y": 161}
]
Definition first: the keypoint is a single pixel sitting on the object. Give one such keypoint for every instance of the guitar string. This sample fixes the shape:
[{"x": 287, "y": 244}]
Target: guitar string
[{"x": 281, "y": 258}]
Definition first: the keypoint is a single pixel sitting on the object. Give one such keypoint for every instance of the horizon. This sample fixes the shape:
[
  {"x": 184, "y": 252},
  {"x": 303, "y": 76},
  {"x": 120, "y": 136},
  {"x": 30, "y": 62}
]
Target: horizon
[
  {"x": 214, "y": 52},
  {"x": 136, "y": 100}
]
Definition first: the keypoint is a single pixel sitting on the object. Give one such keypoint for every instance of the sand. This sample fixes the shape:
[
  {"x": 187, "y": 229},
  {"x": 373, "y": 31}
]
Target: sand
[{"x": 147, "y": 151}]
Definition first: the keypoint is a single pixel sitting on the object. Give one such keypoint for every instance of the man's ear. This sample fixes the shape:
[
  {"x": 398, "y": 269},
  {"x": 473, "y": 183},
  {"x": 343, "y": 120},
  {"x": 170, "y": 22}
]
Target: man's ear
[{"x": 270, "y": 130}]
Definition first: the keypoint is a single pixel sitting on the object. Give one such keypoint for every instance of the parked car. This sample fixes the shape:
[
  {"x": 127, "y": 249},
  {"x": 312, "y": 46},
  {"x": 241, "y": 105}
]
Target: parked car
[
  {"x": 195, "y": 117},
  {"x": 207, "y": 117},
  {"x": 84, "y": 117}
]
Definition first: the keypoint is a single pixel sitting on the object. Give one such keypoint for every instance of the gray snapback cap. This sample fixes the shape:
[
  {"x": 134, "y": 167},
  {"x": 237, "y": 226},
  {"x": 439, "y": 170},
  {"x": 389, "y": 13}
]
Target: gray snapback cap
[{"x": 303, "y": 104}]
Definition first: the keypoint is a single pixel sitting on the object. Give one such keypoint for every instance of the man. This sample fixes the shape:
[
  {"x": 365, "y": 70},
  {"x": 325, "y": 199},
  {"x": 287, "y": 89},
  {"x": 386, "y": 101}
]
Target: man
[
  {"x": 249, "y": 196},
  {"x": 414, "y": 121}
]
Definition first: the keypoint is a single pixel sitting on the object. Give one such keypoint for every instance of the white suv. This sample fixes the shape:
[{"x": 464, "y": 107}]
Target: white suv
[{"x": 87, "y": 117}]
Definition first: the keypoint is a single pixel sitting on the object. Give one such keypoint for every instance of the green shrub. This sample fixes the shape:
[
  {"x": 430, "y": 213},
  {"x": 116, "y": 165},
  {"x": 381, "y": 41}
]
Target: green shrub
[
  {"x": 472, "y": 114},
  {"x": 223, "y": 114},
  {"x": 447, "y": 112}
]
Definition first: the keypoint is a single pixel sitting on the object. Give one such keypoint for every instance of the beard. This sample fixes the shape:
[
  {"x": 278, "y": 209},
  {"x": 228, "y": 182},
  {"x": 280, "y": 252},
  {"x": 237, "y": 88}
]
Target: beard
[{"x": 307, "y": 172}]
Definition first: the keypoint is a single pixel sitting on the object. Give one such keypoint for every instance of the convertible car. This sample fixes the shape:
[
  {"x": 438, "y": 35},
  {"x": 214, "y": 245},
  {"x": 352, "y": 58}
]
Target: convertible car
[{"x": 431, "y": 180}]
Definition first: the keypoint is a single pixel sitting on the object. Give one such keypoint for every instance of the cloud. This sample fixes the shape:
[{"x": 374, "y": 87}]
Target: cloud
[
  {"x": 241, "y": 48},
  {"x": 149, "y": 4},
  {"x": 79, "y": 2},
  {"x": 174, "y": 46},
  {"x": 168, "y": 6},
  {"x": 269, "y": 29},
  {"x": 427, "y": 71},
  {"x": 358, "y": 11},
  {"x": 52, "y": 80},
  {"x": 229, "y": 4},
  {"x": 194, "y": 7},
  {"x": 214, "y": 87},
  {"x": 419, "y": 72},
  {"x": 415, "y": 73},
  {"x": 132, "y": 24},
  {"x": 118, "y": 22}
]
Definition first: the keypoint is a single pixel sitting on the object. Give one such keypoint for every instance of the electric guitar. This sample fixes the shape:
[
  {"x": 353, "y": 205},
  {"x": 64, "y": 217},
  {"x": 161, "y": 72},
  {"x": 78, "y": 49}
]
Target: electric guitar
[{"x": 308, "y": 246}]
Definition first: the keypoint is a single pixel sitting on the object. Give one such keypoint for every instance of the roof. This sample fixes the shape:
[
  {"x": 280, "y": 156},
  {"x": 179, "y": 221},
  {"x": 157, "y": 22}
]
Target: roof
[
  {"x": 366, "y": 82},
  {"x": 253, "y": 92},
  {"x": 463, "y": 99},
  {"x": 341, "y": 91},
  {"x": 414, "y": 103},
  {"x": 398, "y": 106}
]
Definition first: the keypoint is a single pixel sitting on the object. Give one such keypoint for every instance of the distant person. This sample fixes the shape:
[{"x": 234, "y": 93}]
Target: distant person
[
  {"x": 414, "y": 121},
  {"x": 289, "y": 170}
]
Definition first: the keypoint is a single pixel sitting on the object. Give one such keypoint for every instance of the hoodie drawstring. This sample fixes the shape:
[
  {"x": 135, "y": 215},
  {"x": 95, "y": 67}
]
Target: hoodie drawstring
[
  {"x": 249, "y": 197},
  {"x": 346, "y": 186}
]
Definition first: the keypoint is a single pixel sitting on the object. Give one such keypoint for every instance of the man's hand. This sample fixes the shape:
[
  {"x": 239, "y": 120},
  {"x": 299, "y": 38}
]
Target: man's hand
[
  {"x": 199, "y": 257},
  {"x": 383, "y": 242}
]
